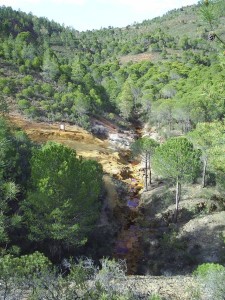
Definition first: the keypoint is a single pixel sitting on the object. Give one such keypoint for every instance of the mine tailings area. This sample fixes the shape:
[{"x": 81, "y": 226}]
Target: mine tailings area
[
  {"x": 128, "y": 242},
  {"x": 114, "y": 157}
]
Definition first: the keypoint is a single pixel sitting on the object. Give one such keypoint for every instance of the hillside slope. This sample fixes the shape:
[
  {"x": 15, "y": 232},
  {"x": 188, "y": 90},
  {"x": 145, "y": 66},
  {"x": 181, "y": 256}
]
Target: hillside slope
[
  {"x": 163, "y": 75},
  {"x": 144, "y": 71}
]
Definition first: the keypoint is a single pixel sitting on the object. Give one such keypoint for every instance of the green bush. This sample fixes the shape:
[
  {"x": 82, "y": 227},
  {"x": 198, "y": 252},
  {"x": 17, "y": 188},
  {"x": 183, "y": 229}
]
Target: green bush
[
  {"x": 17, "y": 274},
  {"x": 210, "y": 280},
  {"x": 6, "y": 90},
  {"x": 23, "y": 69},
  {"x": 27, "y": 81},
  {"x": 207, "y": 268},
  {"x": 23, "y": 104}
]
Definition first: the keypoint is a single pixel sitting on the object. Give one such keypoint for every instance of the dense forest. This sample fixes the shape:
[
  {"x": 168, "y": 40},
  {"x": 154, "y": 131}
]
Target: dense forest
[
  {"x": 54, "y": 73},
  {"x": 167, "y": 72}
]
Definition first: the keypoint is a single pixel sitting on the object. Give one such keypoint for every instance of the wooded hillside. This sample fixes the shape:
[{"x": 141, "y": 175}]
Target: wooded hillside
[
  {"x": 53, "y": 73},
  {"x": 161, "y": 85}
]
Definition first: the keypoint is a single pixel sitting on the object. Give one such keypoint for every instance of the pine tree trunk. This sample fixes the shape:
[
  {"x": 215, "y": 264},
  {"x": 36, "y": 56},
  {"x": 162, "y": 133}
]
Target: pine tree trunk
[
  {"x": 146, "y": 171},
  {"x": 150, "y": 169},
  {"x": 204, "y": 172},
  {"x": 178, "y": 194}
]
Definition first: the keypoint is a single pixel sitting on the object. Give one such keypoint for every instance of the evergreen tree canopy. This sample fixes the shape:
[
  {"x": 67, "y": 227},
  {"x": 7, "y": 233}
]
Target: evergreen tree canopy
[
  {"x": 206, "y": 136},
  {"x": 176, "y": 159},
  {"x": 64, "y": 203}
]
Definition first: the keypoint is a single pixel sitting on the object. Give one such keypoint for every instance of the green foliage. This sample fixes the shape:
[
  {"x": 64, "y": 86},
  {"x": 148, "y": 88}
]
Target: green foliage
[
  {"x": 126, "y": 100},
  {"x": 50, "y": 66},
  {"x": 210, "y": 11},
  {"x": 3, "y": 233},
  {"x": 26, "y": 265},
  {"x": 3, "y": 105},
  {"x": 14, "y": 173},
  {"x": 176, "y": 158},
  {"x": 63, "y": 205},
  {"x": 210, "y": 278},
  {"x": 209, "y": 138},
  {"x": 217, "y": 156},
  {"x": 72, "y": 76},
  {"x": 144, "y": 145},
  {"x": 84, "y": 77},
  {"x": 207, "y": 268},
  {"x": 23, "y": 104},
  {"x": 17, "y": 274},
  {"x": 206, "y": 135},
  {"x": 10, "y": 190}
]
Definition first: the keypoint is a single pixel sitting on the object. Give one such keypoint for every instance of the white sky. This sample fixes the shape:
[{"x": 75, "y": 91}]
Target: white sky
[{"x": 94, "y": 14}]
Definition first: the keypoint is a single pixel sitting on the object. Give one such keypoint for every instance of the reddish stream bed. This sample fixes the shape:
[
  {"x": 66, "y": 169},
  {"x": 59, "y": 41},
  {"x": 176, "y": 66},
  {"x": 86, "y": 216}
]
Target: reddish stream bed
[{"x": 128, "y": 241}]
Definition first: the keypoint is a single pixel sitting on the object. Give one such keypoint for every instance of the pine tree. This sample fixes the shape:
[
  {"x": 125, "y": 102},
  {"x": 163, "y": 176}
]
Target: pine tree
[{"x": 176, "y": 159}]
